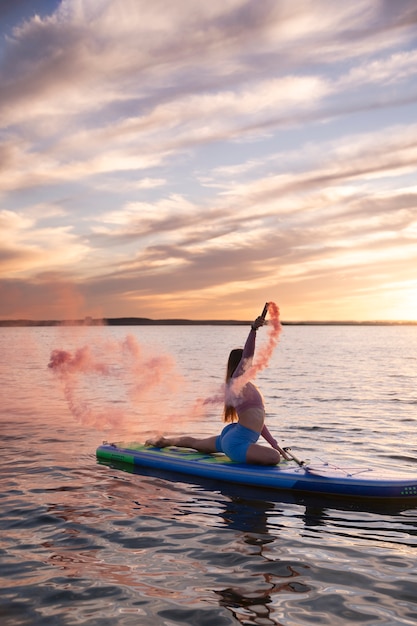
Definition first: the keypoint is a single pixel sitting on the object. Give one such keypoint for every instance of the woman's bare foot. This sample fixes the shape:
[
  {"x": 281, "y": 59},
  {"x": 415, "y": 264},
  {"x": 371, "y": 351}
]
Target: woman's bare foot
[{"x": 159, "y": 442}]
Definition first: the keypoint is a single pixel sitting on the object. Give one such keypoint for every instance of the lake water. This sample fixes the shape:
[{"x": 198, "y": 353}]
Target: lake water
[{"x": 84, "y": 543}]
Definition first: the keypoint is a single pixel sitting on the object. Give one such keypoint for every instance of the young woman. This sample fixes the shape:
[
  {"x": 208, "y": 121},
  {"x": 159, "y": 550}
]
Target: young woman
[{"x": 244, "y": 409}]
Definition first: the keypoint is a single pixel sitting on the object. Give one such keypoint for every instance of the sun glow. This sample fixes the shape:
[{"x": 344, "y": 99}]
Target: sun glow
[
  {"x": 404, "y": 306},
  {"x": 410, "y": 305}
]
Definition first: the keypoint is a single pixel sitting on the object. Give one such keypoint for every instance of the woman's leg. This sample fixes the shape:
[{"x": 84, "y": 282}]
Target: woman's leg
[
  {"x": 261, "y": 455},
  {"x": 207, "y": 444}
]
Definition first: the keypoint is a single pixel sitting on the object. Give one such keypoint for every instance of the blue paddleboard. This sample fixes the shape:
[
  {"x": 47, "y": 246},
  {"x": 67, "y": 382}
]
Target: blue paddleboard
[{"x": 316, "y": 478}]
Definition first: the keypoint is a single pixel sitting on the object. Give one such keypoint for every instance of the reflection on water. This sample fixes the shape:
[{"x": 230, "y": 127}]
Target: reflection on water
[{"x": 278, "y": 550}]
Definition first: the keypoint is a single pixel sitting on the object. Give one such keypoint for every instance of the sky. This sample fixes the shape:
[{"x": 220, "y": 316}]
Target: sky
[{"x": 194, "y": 159}]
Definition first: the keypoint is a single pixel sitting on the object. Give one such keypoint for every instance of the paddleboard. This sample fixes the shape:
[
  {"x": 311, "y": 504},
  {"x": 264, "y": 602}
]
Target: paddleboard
[{"x": 313, "y": 477}]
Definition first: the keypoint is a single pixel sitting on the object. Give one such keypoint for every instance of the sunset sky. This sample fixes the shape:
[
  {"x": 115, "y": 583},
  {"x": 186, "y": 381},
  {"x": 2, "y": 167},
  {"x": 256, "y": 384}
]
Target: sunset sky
[{"x": 197, "y": 158}]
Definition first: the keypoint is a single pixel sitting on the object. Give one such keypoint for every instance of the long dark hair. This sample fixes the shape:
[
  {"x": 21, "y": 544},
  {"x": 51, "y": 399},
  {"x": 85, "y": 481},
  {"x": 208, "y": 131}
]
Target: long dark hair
[{"x": 229, "y": 414}]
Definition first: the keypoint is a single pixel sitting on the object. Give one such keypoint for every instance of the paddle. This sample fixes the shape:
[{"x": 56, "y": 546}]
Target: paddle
[{"x": 294, "y": 458}]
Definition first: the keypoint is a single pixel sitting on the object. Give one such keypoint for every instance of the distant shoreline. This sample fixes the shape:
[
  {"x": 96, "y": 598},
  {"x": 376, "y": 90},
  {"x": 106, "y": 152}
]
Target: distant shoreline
[{"x": 145, "y": 321}]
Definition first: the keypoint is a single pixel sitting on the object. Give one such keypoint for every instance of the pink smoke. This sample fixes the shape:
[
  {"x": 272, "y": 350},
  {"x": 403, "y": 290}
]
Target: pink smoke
[
  {"x": 263, "y": 355},
  {"x": 122, "y": 365},
  {"x": 152, "y": 384},
  {"x": 65, "y": 364},
  {"x": 265, "y": 351}
]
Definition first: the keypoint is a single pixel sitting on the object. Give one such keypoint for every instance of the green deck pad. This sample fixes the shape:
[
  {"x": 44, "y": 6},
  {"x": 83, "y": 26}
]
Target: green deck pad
[
  {"x": 189, "y": 454},
  {"x": 123, "y": 457},
  {"x": 176, "y": 452}
]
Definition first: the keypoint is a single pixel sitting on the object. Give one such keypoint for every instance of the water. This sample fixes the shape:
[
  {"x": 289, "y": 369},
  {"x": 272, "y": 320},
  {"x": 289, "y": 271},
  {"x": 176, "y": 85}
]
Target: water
[{"x": 84, "y": 543}]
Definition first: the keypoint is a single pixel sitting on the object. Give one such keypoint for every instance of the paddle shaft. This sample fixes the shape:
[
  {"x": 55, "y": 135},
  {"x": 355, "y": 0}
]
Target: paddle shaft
[{"x": 294, "y": 458}]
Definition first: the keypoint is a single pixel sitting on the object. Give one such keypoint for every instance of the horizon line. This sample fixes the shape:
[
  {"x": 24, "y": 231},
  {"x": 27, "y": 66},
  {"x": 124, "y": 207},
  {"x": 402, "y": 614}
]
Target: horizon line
[{"x": 146, "y": 321}]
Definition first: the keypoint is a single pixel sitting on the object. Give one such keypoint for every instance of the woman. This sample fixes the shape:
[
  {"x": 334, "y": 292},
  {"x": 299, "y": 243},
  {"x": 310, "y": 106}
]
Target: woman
[{"x": 244, "y": 409}]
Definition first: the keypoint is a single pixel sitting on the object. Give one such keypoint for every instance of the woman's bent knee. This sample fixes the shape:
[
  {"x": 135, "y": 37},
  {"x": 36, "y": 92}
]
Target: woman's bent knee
[
  {"x": 261, "y": 455},
  {"x": 272, "y": 457}
]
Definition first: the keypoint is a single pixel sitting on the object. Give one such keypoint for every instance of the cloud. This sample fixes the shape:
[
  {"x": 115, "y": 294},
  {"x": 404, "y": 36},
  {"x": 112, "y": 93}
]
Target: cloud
[
  {"x": 118, "y": 185},
  {"x": 108, "y": 88},
  {"x": 89, "y": 55},
  {"x": 27, "y": 248},
  {"x": 355, "y": 159},
  {"x": 396, "y": 67},
  {"x": 332, "y": 215},
  {"x": 218, "y": 147}
]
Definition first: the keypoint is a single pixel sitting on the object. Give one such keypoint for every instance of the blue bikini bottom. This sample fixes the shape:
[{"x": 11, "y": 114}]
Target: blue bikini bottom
[{"x": 234, "y": 441}]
